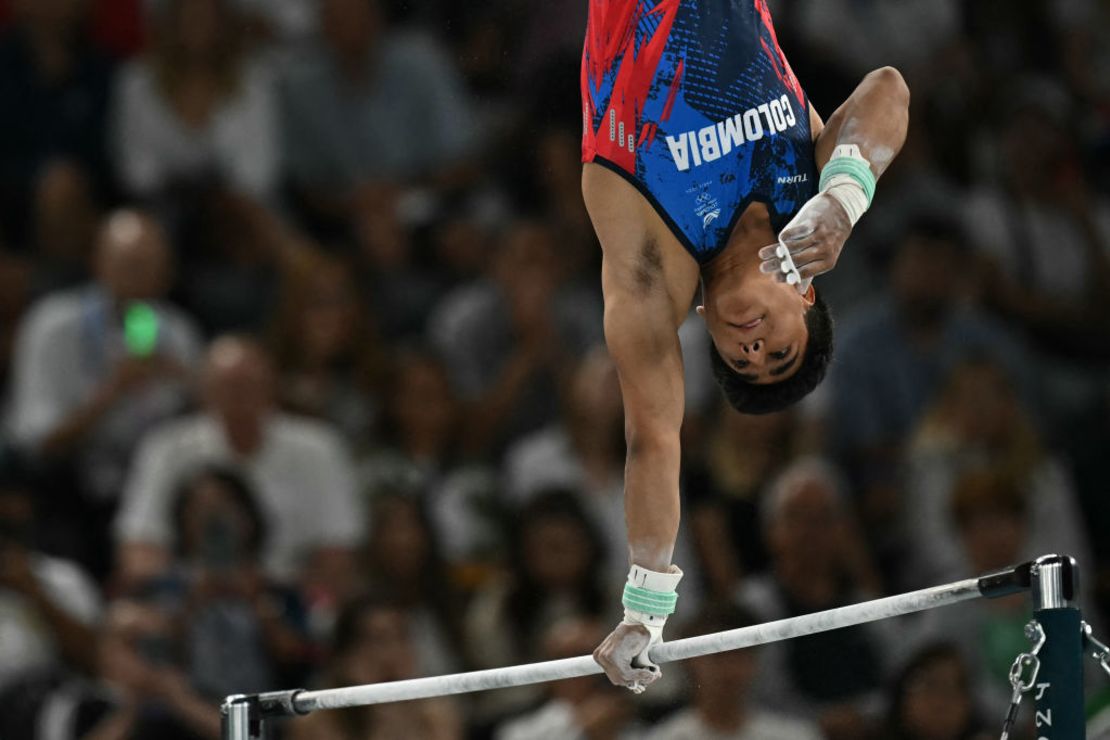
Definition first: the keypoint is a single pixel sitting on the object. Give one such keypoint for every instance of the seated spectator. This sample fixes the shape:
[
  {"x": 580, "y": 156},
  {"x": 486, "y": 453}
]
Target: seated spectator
[
  {"x": 991, "y": 514},
  {"x": 195, "y": 110},
  {"x": 1045, "y": 233},
  {"x": 48, "y": 607},
  {"x": 818, "y": 562},
  {"x": 141, "y": 666},
  {"x": 722, "y": 705},
  {"x": 300, "y": 470},
  {"x": 421, "y": 455},
  {"x": 325, "y": 348},
  {"x": 725, "y": 485},
  {"x": 373, "y": 643},
  {"x": 932, "y": 699},
  {"x": 240, "y": 632},
  {"x": 369, "y": 107},
  {"x": 554, "y": 572},
  {"x": 978, "y": 422},
  {"x": 584, "y": 452},
  {"x": 64, "y": 227},
  {"x": 59, "y": 83},
  {"x": 894, "y": 354},
  {"x": 580, "y": 708},
  {"x": 403, "y": 559},
  {"x": 83, "y": 391},
  {"x": 509, "y": 340}
]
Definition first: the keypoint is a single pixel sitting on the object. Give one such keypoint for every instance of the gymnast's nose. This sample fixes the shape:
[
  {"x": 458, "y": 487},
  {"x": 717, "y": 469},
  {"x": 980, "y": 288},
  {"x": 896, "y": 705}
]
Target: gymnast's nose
[{"x": 752, "y": 350}]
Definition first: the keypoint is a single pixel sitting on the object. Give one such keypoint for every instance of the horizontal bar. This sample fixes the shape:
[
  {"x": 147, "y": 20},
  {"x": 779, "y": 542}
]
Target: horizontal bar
[{"x": 304, "y": 702}]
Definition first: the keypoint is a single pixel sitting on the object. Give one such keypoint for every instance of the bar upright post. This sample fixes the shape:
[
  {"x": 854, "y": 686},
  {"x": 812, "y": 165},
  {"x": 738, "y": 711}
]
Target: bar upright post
[
  {"x": 1058, "y": 691},
  {"x": 240, "y": 718}
]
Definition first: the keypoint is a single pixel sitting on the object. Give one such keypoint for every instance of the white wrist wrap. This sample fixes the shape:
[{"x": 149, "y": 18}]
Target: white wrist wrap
[
  {"x": 663, "y": 584},
  {"x": 848, "y": 179}
]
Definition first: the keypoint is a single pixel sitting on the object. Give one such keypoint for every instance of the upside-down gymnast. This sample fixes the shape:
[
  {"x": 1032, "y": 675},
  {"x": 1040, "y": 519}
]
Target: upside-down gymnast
[{"x": 705, "y": 163}]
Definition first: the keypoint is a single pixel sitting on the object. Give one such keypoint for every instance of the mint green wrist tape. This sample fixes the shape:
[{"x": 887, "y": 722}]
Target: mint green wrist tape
[
  {"x": 853, "y": 168},
  {"x": 655, "y": 603}
]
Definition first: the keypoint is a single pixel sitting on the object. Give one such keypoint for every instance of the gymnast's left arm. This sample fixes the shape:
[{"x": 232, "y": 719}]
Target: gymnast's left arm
[{"x": 853, "y": 149}]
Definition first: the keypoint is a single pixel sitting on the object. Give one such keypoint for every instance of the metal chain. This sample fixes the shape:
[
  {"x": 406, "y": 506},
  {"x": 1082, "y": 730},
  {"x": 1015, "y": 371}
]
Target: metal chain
[
  {"x": 1099, "y": 651},
  {"x": 1022, "y": 684}
]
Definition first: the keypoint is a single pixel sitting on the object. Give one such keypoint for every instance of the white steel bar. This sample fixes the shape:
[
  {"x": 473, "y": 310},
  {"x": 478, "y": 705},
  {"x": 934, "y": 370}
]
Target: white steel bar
[{"x": 555, "y": 670}]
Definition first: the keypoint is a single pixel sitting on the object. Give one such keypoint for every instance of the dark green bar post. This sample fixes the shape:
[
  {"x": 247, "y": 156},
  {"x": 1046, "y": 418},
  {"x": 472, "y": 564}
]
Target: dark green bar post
[{"x": 1058, "y": 691}]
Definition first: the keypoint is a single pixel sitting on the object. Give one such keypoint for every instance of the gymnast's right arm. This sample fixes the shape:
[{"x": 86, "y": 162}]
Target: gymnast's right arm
[{"x": 641, "y": 323}]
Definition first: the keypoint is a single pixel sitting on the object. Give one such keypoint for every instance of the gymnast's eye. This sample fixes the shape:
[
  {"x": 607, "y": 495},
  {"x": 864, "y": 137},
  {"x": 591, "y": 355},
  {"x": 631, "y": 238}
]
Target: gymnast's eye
[
  {"x": 780, "y": 355},
  {"x": 740, "y": 364}
]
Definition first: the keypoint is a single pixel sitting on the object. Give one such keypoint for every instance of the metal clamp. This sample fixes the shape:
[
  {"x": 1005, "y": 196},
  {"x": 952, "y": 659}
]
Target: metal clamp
[
  {"x": 1021, "y": 684},
  {"x": 1099, "y": 650}
]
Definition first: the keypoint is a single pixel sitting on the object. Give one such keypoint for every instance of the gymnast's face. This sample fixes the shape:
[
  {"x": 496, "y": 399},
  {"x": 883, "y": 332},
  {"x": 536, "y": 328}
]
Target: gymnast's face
[{"x": 757, "y": 324}]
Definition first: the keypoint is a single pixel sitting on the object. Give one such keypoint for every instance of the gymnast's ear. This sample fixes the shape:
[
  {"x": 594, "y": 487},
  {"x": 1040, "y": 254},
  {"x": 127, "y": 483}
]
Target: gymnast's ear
[{"x": 810, "y": 296}]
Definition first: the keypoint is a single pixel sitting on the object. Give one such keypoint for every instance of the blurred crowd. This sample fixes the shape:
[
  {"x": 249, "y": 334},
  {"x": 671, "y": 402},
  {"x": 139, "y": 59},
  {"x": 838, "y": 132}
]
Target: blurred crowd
[{"x": 304, "y": 381}]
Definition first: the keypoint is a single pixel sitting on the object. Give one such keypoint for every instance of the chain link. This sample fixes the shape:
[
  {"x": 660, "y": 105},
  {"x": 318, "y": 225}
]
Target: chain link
[
  {"x": 1021, "y": 683},
  {"x": 1099, "y": 650}
]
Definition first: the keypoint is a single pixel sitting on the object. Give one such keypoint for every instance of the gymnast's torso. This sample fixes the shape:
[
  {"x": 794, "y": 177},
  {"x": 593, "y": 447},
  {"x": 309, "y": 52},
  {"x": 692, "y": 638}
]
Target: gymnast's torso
[{"x": 694, "y": 103}]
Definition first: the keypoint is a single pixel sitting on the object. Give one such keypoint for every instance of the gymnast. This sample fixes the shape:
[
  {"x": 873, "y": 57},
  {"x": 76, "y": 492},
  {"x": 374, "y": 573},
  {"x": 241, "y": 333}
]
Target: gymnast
[{"x": 705, "y": 163}]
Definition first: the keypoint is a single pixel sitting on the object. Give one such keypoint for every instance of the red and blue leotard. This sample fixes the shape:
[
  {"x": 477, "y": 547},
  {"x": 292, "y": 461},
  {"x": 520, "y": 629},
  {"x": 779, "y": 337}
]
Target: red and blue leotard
[{"x": 694, "y": 103}]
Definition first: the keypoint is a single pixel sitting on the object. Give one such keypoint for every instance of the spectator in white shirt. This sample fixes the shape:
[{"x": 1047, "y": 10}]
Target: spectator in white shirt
[
  {"x": 300, "y": 469},
  {"x": 195, "y": 108},
  {"x": 48, "y": 606},
  {"x": 82, "y": 394},
  {"x": 722, "y": 707}
]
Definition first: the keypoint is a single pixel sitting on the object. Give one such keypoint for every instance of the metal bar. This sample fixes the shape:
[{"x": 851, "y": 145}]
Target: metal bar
[
  {"x": 496, "y": 678},
  {"x": 1059, "y": 689}
]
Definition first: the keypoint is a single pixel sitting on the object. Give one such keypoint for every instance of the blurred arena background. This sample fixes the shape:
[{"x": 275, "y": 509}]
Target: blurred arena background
[{"x": 304, "y": 381}]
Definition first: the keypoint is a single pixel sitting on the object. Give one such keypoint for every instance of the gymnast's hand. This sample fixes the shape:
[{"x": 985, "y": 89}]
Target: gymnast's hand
[
  {"x": 617, "y": 653},
  {"x": 815, "y": 238}
]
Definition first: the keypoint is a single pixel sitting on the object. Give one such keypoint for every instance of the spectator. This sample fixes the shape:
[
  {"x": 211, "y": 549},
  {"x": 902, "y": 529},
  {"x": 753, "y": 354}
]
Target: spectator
[
  {"x": 59, "y": 85},
  {"x": 818, "y": 562},
  {"x": 583, "y": 452},
  {"x": 140, "y": 663},
  {"x": 723, "y": 687},
  {"x": 554, "y": 561},
  {"x": 403, "y": 559},
  {"x": 976, "y": 423},
  {"x": 195, "y": 109},
  {"x": 300, "y": 470},
  {"x": 579, "y": 709},
  {"x": 510, "y": 339},
  {"x": 894, "y": 354},
  {"x": 370, "y": 107},
  {"x": 421, "y": 454},
  {"x": 725, "y": 486},
  {"x": 48, "y": 607},
  {"x": 325, "y": 348},
  {"x": 1046, "y": 237},
  {"x": 373, "y": 643},
  {"x": 83, "y": 391},
  {"x": 240, "y": 631},
  {"x": 933, "y": 699},
  {"x": 992, "y": 518}
]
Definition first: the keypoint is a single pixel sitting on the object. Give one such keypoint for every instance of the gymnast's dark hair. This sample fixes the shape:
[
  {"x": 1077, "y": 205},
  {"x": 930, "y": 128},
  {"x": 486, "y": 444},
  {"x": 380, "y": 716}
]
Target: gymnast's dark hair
[{"x": 752, "y": 398}]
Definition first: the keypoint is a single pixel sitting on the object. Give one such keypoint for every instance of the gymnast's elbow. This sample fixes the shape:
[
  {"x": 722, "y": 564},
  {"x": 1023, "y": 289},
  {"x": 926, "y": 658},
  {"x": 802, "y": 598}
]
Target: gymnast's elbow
[
  {"x": 645, "y": 441},
  {"x": 891, "y": 84}
]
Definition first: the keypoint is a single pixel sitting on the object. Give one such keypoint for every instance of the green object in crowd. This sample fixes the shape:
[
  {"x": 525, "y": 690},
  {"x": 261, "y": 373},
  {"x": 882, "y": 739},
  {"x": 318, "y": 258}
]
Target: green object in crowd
[{"x": 140, "y": 329}]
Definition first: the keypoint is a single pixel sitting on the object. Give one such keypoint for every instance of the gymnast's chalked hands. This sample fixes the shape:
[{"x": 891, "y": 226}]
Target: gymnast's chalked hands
[
  {"x": 619, "y": 650},
  {"x": 814, "y": 237}
]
